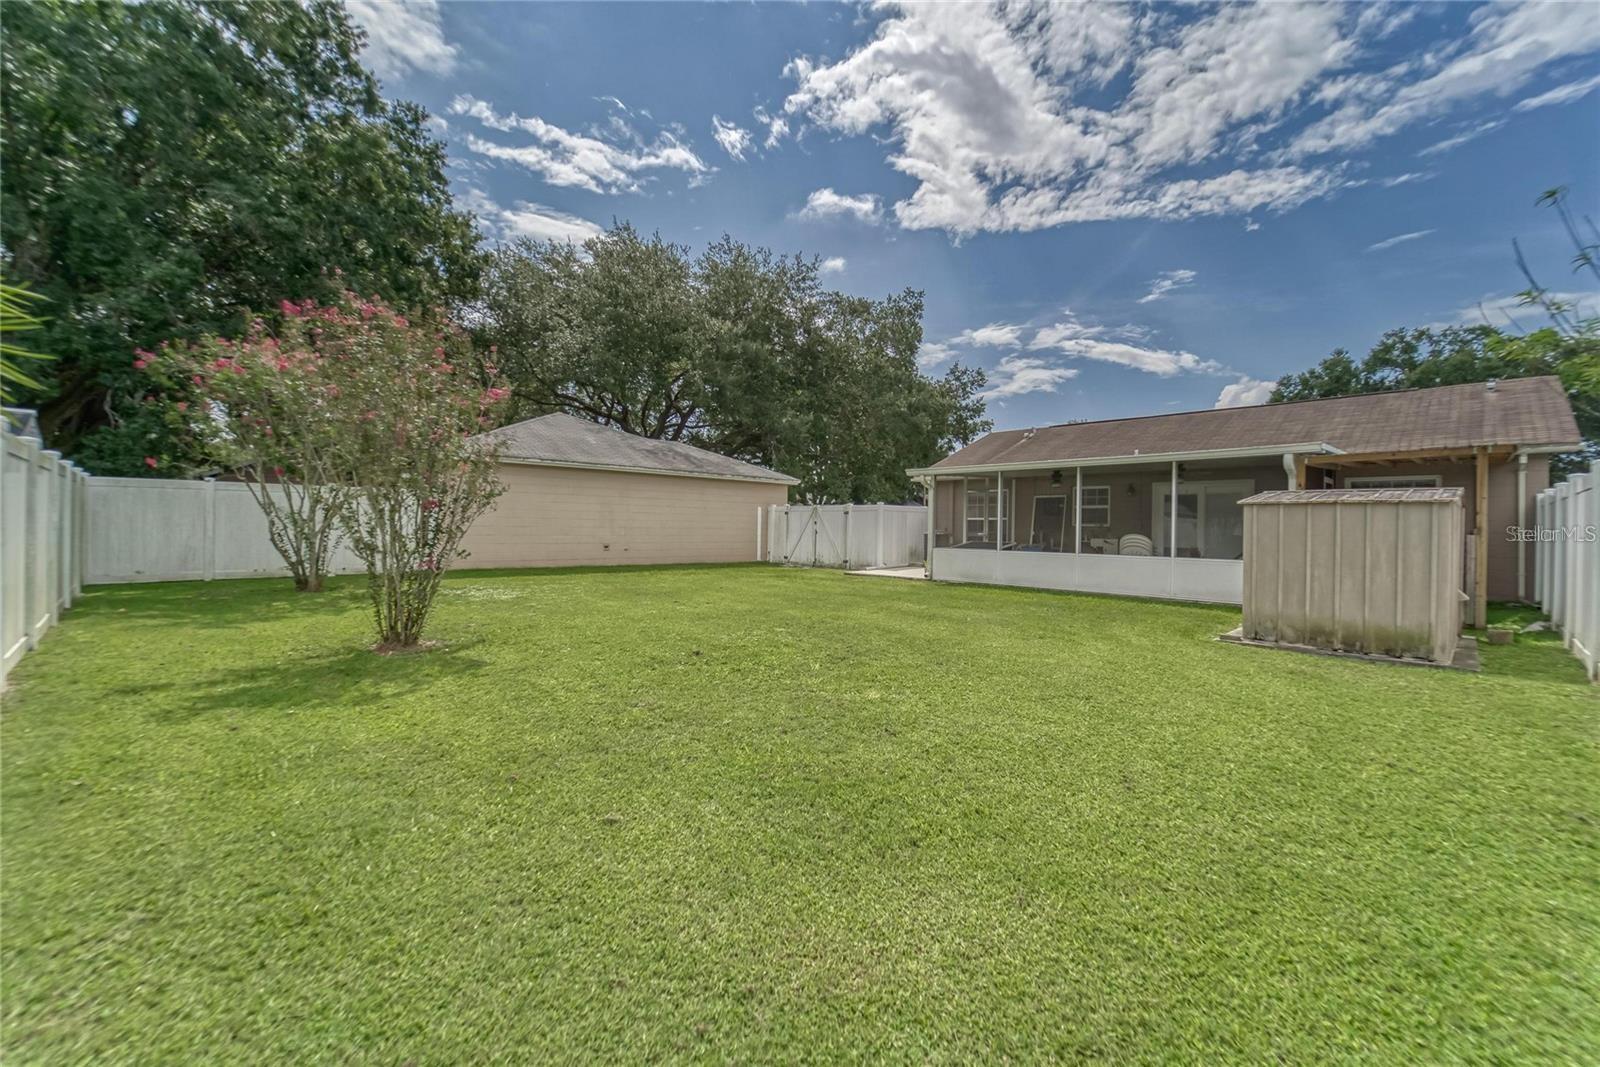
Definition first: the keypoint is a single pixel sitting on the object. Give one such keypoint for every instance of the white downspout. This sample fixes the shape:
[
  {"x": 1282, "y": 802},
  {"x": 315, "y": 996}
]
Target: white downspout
[
  {"x": 1289, "y": 469},
  {"x": 927, "y": 555},
  {"x": 1522, "y": 523}
]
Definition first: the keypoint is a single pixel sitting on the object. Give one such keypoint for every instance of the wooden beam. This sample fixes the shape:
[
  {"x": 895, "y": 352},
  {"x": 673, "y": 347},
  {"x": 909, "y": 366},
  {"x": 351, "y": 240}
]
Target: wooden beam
[
  {"x": 1346, "y": 459},
  {"x": 1480, "y": 531},
  {"x": 1299, "y": 473}
]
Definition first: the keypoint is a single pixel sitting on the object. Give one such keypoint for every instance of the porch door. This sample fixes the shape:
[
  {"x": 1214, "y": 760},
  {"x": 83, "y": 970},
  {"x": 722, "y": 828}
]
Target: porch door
[
  {"x": 1210, "y": 520},
  {"x": 1188, "y": 520},
  {"x": 1049, "y": 522}
]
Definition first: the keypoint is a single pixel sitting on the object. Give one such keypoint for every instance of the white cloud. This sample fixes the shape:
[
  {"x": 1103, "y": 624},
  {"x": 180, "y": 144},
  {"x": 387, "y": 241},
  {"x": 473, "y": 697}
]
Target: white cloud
[
  {"x": 1251, "y": 225},
  {"x": 1073, "y": 337},
  {"x": 1561, "y": 94},
  {"x": 1471, "y": 133},
  {"x": 526, "y": 220},
  {"x": 734, "y": 139},
  {"x": 403, "y": 37},
  {"x": 1072, "y": 328},
  {"x": 1245, "y": 392},
  {"x": 994, "y": 335},
  {"x": 833, "y": 265},
  {"x": 1405, "y": 179},
  {"x": 777, "y": 126},
  {"x": 1507, "y": 45},
  {"x": 1016, "y": 375},
  {"x": 979, "y": 105},
  {"x": 1022, "y": 115},
  {"x": 610, "y": 160},
  {"x": 934, "y": 353},
  {"x": 1157, "y": 361},
  {"x": 827, "y": 204},
  {"x": 1397, "y": 239},
  {"x": 1166, "y": 282}
]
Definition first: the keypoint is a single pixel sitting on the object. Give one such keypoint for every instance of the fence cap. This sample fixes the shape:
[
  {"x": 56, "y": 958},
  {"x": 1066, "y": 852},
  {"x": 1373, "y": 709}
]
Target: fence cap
[{"x": 1429, "y": 495}]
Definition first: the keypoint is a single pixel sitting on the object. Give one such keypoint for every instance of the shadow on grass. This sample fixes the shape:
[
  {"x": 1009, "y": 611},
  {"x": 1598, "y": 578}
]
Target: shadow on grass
[
  {"x": 236, "y": 601},
  {"x": 233, "y": 602},
  {"x": 352, "y": 679}
]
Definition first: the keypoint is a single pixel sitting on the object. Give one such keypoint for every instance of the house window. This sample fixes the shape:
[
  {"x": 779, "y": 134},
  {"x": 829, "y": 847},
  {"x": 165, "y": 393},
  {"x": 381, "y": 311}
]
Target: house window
[
  {"x": 1096, "y": 505},
  {"x": 1394, "y": 481},
  {"x": 981, "y": 510}
]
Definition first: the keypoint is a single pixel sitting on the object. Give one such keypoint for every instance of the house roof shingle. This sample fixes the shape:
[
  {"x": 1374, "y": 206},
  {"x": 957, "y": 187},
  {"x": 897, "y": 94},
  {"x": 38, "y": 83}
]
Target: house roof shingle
[
  {"x": 1528, "y": 412},
  {"x": 561, "y": 440}
]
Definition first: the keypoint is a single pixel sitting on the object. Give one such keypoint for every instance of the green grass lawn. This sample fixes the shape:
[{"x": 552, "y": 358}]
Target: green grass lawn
[{"x": 753, "y": 814}]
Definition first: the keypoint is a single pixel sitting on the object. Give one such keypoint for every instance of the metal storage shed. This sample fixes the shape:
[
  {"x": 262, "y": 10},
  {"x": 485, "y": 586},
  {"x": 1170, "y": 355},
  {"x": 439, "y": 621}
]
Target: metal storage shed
[{"x": 1374, "y": 571}]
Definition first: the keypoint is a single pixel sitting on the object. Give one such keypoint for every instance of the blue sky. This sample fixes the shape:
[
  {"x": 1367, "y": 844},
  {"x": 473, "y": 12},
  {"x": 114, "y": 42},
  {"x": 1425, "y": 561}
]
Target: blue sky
[{"x": 1113, "y": 209}]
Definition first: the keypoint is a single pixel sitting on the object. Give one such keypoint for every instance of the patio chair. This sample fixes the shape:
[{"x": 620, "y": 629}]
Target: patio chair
[{"x": 1135, "y": 545}]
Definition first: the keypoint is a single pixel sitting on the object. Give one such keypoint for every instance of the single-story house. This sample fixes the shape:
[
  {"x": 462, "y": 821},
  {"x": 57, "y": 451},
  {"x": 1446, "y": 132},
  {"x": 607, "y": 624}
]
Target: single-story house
[
  {"x": 578, "y": 493},
  {"x": 1089, "y": 505}
]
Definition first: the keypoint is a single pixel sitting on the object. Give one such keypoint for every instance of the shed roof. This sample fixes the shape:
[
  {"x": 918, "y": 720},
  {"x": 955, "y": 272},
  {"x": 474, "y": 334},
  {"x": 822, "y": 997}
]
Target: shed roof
[
  {"x": 561, "y": 440},
  {"x": 1524, "y": 412},
  {"x": 1450, "y": 494}
]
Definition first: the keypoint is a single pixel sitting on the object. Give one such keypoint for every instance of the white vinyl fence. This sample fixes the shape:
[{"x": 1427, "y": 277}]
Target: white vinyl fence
[
  {"x": 1567, "y": 563},
  {"x": 852, "y": 536},
  {"x": 41, "y": 537},
  {"x": 165, "y": 530}
]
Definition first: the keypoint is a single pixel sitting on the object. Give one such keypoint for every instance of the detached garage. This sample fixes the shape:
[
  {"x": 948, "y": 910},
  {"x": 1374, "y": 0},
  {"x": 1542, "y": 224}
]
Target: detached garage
[{"x": 578, "y": 494}]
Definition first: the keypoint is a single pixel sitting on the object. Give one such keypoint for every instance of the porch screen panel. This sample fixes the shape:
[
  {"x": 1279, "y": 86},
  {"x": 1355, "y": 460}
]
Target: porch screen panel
[
  {"x": 1222, "y": 535},
  {"x": 1050, "y": 523}
]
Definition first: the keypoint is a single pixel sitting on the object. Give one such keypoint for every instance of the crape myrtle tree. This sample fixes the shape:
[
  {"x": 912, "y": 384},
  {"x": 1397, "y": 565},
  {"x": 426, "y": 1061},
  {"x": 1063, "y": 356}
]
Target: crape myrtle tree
[
  {"x": 414, "y": 402},
  {"x": 169, "y": 164},
  {"x": 739, "y": 350},
  {"x": 351, "y": 420},
  {"x": 266, "y": 408}
]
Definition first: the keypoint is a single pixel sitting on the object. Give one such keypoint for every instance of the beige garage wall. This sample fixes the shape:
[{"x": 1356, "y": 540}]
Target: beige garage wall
[{"x": 565, "y": 517}]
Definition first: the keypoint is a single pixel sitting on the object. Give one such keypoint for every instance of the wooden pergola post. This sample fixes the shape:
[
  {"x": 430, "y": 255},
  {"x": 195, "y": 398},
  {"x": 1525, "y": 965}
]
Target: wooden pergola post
[{"x": 1480, "y": 537}]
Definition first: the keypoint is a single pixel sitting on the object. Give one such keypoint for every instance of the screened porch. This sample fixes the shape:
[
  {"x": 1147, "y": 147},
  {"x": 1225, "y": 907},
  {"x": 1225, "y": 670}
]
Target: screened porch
[{"x": 1166, "y": 528}]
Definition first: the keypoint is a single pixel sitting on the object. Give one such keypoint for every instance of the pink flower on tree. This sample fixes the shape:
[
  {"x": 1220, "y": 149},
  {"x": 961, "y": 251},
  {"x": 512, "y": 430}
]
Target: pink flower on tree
[
  {"x": 429, "y": 504},
  {"x": 150, "y": 461}
]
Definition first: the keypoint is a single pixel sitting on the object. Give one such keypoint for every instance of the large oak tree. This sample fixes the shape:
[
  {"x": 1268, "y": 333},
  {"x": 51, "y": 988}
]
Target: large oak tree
[
  {"x": 739, "y": 350},
  {"x": 167, "y": 164}
]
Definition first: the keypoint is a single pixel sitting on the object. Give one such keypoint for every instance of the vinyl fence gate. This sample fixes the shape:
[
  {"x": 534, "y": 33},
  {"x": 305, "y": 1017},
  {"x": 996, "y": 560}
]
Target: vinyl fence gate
[{"x": 852, "y": 536}]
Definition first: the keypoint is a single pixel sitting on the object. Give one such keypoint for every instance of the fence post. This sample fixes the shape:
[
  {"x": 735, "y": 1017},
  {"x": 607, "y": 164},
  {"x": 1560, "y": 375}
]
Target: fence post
[
  {"x": 878, "y": 555},
  {"x": 30, "y": 569},
  {"x": 64, "y": 535},
  {"x": 1577, "y": 595},
  {"x": 1558, "y": 557},
  {"x": 848, "y": 510},
  {"x": 80, "y": 553},
  {"x": 1539, "y": 553},
  {"x": 208, "y": 569}
]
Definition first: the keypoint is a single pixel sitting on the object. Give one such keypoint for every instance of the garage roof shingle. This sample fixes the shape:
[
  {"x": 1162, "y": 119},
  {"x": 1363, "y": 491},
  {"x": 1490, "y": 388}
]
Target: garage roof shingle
[{"x": 561, "y": 440}]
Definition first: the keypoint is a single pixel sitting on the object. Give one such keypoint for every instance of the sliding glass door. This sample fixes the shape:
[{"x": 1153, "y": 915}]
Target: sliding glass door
[{"x": 1210, "y": 520}]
